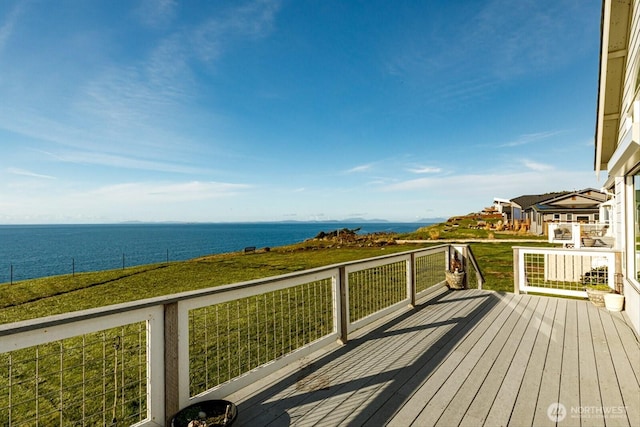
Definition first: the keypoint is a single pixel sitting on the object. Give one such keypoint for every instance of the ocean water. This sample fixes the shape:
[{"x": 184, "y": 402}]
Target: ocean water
[{"x": 32, "y": 251}]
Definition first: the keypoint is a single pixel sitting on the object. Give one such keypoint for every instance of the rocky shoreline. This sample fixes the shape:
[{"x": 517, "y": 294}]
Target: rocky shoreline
[{"x": 350, "y": 237}]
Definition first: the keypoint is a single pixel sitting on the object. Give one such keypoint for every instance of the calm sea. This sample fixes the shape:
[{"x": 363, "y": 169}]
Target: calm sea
[{"x": 31, "y": 251}]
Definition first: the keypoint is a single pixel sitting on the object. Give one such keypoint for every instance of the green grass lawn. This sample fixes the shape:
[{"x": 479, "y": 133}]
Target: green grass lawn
[
  {"x": 496, "y": 263},
  {"x": 59, "y": 294}
]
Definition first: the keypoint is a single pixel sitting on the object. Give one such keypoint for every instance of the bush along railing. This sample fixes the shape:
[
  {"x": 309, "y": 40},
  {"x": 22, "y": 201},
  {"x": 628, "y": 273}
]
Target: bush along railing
[
  {"x": 140, "y": 362},
  {"x": 562, "y": 271}
]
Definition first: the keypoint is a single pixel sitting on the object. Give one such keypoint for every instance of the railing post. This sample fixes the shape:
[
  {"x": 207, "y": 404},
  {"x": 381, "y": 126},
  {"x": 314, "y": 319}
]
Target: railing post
[
  {"x": 516, "y": 271},
  {"x": 343, "y": 306},
  {"x": 618, "y": 283},
  {"x": 474, "y": 263},
  {"x": 576, "y": 235},
  {"x": 465, "y": 265},
  {"x": 411, "y": 278},
  {"x": 171, "y": 379},
  {"x": 462, "y": 249}
]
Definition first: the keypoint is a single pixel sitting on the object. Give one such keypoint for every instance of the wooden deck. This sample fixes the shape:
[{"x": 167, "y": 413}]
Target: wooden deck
[{"x": 467, "y": 358}]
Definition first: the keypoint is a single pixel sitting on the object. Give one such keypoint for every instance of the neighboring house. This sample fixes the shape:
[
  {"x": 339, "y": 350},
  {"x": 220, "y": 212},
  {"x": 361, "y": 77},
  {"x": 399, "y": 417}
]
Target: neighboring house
[
  {"x": 617, "y": 142},
  {"x": 514, "y": 209},
  {"x": 578, "y": 206},
  {"x": 522, "y": 205},
  {"x": 537, "y": 210},
  {"x": 511, "y": 210}
]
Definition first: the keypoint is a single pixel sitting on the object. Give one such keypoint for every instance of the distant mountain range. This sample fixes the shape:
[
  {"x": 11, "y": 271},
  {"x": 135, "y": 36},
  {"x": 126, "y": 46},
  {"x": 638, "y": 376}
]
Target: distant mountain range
[
  {"x": 436, "y": 220},
  {"x": 292, "y": 221},
  {"x": 333, "y": 221},
  {"x": 363, "y": 220}
]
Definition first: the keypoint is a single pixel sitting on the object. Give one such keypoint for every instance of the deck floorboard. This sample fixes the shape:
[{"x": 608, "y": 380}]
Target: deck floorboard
[
  {"x": 569, "y": 393},
  {"x": 467, "y": 357},
  {"x": 589, "y": 385}
]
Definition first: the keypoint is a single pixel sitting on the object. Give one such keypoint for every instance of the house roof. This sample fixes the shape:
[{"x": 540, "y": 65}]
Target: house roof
[
  {"x": 586, "y": 197},
  {"x": 525, "y": 202},
  {"x": 613, "y": 58}
]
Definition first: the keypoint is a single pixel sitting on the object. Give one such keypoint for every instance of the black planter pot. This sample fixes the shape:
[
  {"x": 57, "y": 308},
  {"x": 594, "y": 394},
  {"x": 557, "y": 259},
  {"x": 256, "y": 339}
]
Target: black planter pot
[{"x": 208, "y": 413}]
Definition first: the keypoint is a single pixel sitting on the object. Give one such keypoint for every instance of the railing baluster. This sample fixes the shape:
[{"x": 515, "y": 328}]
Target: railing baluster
[
  {"x": 61, "y": 385},
  {"x": 10, "y": 391},
  {"x": 218, "y": 343},
  {"x": 140, "y": 364},
  {"x": 343, "y": 305},
  {"x": 37, "y": 384}
]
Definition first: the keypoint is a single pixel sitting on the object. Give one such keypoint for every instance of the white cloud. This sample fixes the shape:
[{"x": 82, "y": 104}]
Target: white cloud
[
  {"x": 461, "y": 90},
  {"x": 116, "y": 161},
  {"x": 530, "y": 137},
  {"x": 137, "y": 106},
  {"x": 253, "y": 20},
  {"x": 425, "y": 170},
  {"x": 140, "y": 193},
  {"x": 360, "y": 168},
  {"x": 535, "y": 166},
  {"x": 145, "y": 201},
  {"x": 529, "y": 37},
  {"x": 502, "y": 41},
  {"x": 7, "y": 27},
  {"x": 156, "y": 13},
  {"x": 511, "y": 184},
  {"x": 24, "y": 172}
]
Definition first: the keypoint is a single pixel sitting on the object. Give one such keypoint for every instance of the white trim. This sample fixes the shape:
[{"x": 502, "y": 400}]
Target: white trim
[
  {"x": 627, "y": 147},
  {"x": 604, "y": 48}
]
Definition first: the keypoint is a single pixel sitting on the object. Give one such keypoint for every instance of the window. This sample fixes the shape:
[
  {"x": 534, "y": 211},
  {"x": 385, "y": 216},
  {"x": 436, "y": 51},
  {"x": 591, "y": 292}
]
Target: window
[
  {"x": 556, "y": 217},
  {"x": 569, "y": 217}
]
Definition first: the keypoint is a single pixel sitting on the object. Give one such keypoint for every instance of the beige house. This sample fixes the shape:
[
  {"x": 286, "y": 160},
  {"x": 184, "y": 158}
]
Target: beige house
[
  {"x": 617, "y": 142},
  {"x": 578, "y": 206},
  {"x": 538, "y": 210}
]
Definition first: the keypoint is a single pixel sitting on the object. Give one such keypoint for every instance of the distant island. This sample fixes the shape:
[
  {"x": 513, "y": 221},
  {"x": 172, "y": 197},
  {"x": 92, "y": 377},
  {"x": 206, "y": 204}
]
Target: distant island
[{"x": 300, "y": 221}]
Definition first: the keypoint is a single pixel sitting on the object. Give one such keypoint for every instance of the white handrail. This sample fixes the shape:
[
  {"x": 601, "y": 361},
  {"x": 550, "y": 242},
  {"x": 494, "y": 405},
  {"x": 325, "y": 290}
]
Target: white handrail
[{"x": 559, "y": 271}]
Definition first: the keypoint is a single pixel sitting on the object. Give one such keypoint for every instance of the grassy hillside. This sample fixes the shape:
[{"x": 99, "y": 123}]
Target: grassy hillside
[
  {"x": 473, "y": 226},
  {"x": 60, "y": 294}
]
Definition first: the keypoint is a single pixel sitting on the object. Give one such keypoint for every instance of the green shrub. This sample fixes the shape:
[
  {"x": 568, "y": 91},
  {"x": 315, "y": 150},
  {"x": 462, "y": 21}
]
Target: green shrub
[{"x": 596, "y": 276}]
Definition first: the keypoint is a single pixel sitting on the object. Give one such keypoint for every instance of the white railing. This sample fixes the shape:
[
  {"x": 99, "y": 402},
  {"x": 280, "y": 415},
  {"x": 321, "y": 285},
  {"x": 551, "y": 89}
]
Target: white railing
[
  {"x": 474, "y": 274},
  {"x": 579, "y": 235},
  {"x": 88, "y": 369},
  {"x": 140, "y": 362},
  {"x": 562, "y": 271}
]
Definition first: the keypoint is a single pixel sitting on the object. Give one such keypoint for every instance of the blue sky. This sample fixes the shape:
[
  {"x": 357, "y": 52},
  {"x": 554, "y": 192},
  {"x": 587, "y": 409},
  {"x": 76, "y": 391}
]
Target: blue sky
[{"x": 160, "y": 110}]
